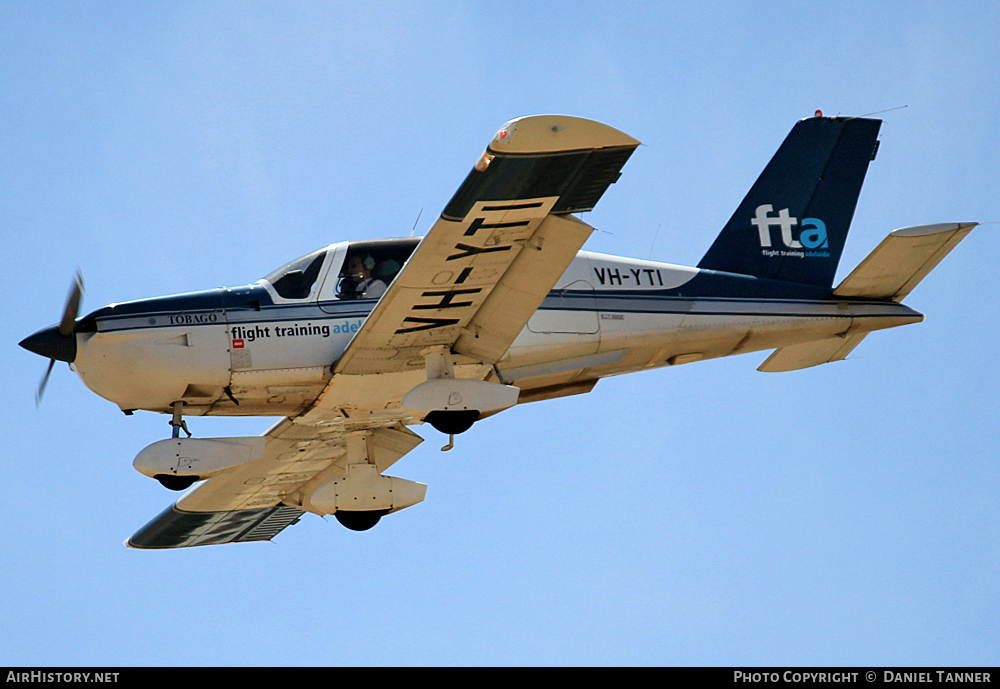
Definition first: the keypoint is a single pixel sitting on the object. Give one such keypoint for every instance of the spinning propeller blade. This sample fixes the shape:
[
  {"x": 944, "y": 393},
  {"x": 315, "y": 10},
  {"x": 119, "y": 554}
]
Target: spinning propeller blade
[
  {"x": 45, "y": 381},
  {"x": 58, "y": 342},
  {"x": 72, "y": 306}
]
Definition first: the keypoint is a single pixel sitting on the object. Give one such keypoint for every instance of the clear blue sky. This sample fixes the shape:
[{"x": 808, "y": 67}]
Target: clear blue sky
[{"x": 709, "y": 514}]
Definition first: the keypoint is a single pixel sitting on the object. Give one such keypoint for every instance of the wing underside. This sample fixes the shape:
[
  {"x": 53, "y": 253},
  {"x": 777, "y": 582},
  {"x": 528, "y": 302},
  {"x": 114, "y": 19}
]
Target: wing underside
[
  {"x": 176, "y": 528},
  {"x": 256, "y": 500}
]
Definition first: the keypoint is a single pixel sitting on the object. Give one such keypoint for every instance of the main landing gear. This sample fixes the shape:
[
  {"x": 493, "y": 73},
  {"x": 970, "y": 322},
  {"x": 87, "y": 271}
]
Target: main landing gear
[
  {"x": 450, "y": 404},
  {"x": 359, "y": 521},
  {"x": 172, "y": 481},
  {"x": 452, "y": 423}
]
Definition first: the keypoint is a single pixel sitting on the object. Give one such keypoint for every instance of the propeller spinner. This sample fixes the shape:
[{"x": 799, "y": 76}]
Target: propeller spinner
[{"x": 57, "y": 342}]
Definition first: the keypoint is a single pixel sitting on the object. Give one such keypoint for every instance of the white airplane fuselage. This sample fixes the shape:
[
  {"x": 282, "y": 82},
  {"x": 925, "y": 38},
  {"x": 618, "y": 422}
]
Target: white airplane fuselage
[
  {"x": 248, "y": 351},
  {"x": 496, "y": 306}
]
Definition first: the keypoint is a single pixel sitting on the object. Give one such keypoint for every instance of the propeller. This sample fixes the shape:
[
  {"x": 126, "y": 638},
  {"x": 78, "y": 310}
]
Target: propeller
[
  {"x": 45, "y": 381},
  {"x": 58, "y": 342}
]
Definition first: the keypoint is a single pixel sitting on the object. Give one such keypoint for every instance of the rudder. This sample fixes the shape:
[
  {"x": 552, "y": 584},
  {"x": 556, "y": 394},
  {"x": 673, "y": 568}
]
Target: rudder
[{"x": 793, "y": 223}]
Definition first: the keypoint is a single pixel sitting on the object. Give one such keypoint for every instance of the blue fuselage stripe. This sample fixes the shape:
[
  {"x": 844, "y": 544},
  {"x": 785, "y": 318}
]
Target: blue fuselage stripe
[{"x": 200, "y": 310}]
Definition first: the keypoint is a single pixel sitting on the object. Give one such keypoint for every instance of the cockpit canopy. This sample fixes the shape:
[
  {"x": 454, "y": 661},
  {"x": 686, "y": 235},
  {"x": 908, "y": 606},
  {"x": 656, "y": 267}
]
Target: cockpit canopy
[{"x": 364, "y": 270}]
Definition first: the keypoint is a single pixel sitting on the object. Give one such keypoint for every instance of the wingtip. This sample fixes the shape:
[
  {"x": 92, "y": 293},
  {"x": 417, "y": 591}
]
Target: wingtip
[
  {"x": 544, "y": 133},
  {"x": 934, "y": 228}
]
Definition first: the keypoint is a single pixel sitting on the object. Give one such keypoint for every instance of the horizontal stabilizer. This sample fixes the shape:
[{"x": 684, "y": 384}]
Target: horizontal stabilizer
[
  {"x": 794, "y": 357},
  {"x": 902, "y": 260}
]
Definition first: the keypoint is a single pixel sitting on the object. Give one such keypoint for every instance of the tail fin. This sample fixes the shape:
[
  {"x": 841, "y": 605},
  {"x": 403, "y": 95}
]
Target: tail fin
[{"x": 793, "y": 223}]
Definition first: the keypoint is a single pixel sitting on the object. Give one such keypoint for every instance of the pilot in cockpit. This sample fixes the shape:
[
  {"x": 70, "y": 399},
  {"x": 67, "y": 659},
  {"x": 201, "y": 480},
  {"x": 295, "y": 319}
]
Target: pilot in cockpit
[{"x": 358, "y": 271}]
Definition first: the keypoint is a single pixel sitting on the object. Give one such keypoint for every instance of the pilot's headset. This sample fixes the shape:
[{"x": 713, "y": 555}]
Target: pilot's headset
[{"x": 368, "y": 262}]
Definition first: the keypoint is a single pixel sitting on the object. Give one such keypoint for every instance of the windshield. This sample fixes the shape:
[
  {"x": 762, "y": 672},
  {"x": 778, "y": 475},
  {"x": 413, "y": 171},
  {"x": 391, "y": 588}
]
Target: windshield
[{"x": 295, "y": 280}]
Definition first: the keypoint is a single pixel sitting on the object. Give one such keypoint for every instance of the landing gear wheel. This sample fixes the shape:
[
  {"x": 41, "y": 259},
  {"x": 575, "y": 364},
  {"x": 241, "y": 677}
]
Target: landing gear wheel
[
  {"x": 453, "y": 422},
  {"x": 359, "y": 521},
  {"x": 175, "y": 482}
]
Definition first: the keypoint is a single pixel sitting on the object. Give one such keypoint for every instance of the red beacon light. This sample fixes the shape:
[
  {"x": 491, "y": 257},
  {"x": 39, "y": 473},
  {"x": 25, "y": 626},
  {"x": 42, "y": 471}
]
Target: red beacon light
[{"x": 819, "y": 113}]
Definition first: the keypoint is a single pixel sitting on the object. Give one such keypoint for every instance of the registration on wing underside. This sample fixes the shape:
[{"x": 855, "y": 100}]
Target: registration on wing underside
[
  {"x": 477, "y": 252},
  {"x": 498, "y": 248},
  {"x": 447, "y": 281}
]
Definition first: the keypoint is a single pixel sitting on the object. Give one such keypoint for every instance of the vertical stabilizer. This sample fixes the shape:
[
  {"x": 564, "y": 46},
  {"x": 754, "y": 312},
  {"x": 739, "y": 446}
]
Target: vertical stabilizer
[{"x": 793, "y": 223}]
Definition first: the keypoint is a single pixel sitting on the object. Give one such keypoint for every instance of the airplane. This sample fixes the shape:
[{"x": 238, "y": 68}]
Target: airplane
[{"x": 497, "y": 305}]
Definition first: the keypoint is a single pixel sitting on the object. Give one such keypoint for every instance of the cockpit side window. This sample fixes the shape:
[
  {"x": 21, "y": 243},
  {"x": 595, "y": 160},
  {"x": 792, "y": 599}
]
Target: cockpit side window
[
  {"x": 370, "y": 267},
  {"x": 296, "y": 279}
]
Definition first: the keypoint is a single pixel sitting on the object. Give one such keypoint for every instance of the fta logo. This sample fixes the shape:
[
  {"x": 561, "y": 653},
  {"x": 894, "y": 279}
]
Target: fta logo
[{"x": 812, "y": 235}]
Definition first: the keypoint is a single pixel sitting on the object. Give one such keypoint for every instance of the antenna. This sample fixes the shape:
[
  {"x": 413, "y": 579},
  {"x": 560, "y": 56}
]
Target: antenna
[
  {"x": 654, "y": 241},
  {"x": 416, "y": 221},
  {"x": 879, "y": 112}
]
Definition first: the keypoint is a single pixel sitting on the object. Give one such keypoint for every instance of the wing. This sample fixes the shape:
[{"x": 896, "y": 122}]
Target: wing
[
  {"x": 472, "y": 284},
  {"x": 255, "y": 501},
  {"x": 498, "y": 248}
]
